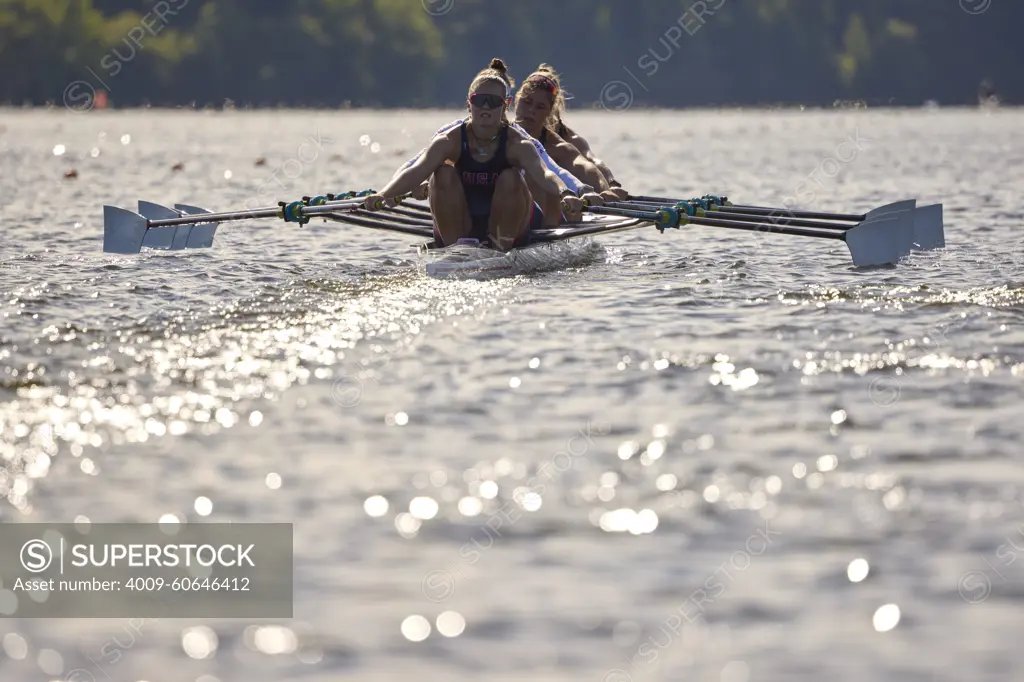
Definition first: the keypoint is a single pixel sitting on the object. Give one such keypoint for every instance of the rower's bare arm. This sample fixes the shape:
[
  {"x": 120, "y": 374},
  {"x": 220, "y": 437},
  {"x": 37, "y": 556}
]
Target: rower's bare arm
[
  {"x": 439, "y": 151},
  {"x": 524, "y": 155},
  {"x": 602, "y": 166},
  {"x": 580, "y": 143},
  {"x": 568, "y": 156}
]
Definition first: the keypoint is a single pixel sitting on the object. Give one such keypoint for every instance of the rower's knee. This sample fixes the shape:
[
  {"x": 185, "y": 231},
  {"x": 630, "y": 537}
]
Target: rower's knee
[
  {"x": 445, "y": 177},
  {"x": 510, "y": 180}
]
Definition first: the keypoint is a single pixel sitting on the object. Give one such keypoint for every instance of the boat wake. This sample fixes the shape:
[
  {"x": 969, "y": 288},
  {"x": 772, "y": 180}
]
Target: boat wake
[
  {"x": 463, "y": 261},
  {"x": 182, "y": 353}
]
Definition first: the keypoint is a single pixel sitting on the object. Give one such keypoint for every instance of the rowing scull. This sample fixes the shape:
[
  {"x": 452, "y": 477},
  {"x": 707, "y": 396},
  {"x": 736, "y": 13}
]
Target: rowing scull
[{"x": 879, "y": 237}]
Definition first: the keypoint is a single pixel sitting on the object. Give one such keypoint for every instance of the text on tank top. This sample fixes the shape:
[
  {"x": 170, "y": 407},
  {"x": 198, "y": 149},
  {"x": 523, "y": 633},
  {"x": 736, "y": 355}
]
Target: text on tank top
[{"x": 480, "y": 177}]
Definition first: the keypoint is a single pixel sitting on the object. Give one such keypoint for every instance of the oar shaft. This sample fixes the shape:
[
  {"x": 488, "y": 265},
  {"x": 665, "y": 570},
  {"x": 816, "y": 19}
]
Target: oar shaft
[
  {"x": 730, "y": 215},
  {"x": 421, "y": 214},
  {"x": 251, "y": 214},
  {"x": 626, "y": 212},
  {"x": 762, "y": 210},
  {"x": 716, "y": 222},
  {"x": 767, "y": 227},
  {"x": 791, "y": 222},
  {"x": 552, "y": 234},
  {"x": 215, "y": 217},
  {"x": 363, "y": 220},
  {"x": 647, "y": 205},
  {"x": 655, "y": 200}
]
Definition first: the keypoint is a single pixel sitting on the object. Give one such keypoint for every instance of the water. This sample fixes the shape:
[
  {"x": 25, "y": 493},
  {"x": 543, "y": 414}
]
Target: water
[{"x": 721, "y": 430}]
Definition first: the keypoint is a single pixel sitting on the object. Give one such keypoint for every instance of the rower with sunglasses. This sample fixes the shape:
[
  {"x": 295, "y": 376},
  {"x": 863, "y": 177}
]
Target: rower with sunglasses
[
  {"x": 570, "y": 180},
  {"x": 481, "y": 172},
  {"x": 540, "y": 104}
]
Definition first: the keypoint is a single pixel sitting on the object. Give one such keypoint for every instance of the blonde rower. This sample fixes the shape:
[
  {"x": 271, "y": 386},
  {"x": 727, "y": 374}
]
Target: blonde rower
[
  {"x": 550, "y": 205},
  {"x": 479, "y": 172},
  {"x": 540, "y": 104}
]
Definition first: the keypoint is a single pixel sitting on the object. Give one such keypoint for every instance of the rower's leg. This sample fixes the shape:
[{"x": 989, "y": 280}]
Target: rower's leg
[
  {"x": 448, "y": 206},
  {"x": 550, "y": 204},
  {"x": 511, "y": 209}
]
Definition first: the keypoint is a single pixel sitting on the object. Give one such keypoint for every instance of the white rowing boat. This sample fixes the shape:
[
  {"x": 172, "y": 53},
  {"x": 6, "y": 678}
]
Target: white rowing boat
[
  {"x": 469, "y": 260},
  {"x": 881, "y": 236}
]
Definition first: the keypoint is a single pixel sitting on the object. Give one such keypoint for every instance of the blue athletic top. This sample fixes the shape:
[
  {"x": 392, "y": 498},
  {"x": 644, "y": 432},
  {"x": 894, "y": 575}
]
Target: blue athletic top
[{"x": 568, "y": 178}]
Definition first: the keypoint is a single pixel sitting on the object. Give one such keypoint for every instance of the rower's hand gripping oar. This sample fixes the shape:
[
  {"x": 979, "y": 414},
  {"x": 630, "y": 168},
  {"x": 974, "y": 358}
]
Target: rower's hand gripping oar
[{"x": 876, "y": 241}]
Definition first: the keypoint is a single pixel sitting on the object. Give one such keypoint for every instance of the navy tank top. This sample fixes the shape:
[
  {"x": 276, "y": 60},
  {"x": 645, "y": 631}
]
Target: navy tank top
[{"x": 480, "y": 177}]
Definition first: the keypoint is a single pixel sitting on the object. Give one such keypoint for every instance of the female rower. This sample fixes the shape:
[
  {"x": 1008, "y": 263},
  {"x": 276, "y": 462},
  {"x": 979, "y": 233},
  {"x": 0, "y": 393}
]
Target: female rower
[
  {"x": 550, "y": 205},
  {"x": 479, "y": 172},
  {"x": 540, "y": 104}
]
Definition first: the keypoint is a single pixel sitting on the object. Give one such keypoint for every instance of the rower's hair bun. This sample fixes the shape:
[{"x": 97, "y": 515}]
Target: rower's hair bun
[{"x": 496, "y": 72}]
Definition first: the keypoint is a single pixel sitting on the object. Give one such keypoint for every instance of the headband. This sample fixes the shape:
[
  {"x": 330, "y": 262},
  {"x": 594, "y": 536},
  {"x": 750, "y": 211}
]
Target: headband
[{"x": 548, "y": 83}]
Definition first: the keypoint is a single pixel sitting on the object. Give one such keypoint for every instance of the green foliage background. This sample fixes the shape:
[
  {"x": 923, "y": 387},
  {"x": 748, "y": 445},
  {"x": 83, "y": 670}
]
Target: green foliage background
[{"x": 394, "y": 53}]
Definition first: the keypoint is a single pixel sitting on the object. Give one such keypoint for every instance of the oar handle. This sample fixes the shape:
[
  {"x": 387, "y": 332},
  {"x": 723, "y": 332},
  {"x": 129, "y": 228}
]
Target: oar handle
[
  {"x": 662, "y": 218},
  {"x": 301, "y": 211}
]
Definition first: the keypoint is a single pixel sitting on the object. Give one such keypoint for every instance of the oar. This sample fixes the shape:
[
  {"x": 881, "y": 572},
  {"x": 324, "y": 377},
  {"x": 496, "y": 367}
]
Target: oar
[
  {"x": 877, "y": 241},
  {"x": 716, "y": 202},
  {"x": 125, "y": 231},
  {"x": 928, "y": 229},
  {"x": 719, "y": 214},
  {"x": 383, "y": 223}
]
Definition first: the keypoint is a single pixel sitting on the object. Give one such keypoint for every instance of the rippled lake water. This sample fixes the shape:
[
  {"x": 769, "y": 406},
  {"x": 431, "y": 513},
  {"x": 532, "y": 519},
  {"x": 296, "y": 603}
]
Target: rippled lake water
[{"x": 750, "y": 461}]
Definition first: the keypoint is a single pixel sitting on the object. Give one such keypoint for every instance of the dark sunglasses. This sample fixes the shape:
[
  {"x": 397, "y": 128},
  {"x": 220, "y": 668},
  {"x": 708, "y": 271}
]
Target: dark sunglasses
[{"x": 485, "y": 101}]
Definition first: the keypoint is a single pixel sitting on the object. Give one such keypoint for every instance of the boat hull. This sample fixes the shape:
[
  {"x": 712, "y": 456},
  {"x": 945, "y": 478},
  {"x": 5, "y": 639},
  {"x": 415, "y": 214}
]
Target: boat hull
[{"x": 467, "y": 261}]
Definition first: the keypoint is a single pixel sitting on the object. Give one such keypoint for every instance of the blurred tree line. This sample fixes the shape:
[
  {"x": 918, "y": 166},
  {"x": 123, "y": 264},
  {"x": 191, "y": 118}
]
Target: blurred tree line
[{"x": 424, "y": 52}]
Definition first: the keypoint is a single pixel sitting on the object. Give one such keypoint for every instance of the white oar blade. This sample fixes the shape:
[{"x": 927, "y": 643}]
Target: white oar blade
[
  {"x": 903, "y": 236},
  {"x": 172, "y": 238},
  {"x": 895, "y": 207},
  {"x": 928, "y": 231},
  {"x": 123, "y": 230},
  {"x": 881, "y": 241},
  {"x": 202, "y": 233},
  {"x": 908, "y": 205},
  {"x": 191, "y": 210},
  {"x": 181, "y": 234}
]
